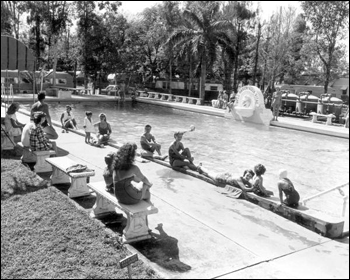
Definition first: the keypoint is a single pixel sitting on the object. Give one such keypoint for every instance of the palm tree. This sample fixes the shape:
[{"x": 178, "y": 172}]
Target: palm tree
[{"x": 201, "y": 34}]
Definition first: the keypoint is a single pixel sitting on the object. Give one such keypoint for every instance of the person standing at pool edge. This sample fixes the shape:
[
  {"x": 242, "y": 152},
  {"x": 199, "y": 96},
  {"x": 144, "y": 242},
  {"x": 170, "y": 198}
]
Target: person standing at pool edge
[
  {"x": 41, "y": 106},
  {"x": 88, "y": 126}
]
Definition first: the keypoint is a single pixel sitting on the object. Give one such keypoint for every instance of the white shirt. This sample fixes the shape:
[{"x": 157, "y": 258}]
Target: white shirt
[{"x": 89, "y": 127}]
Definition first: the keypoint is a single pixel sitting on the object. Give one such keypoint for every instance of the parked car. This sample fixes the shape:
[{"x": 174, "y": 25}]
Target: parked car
[{"x": 111, "y": 90}]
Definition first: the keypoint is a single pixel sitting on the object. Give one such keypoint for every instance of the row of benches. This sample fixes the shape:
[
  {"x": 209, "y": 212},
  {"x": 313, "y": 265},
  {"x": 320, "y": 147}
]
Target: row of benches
[
  {"x": 170, "y": 97},
  {"x": 106, "y": 203}
]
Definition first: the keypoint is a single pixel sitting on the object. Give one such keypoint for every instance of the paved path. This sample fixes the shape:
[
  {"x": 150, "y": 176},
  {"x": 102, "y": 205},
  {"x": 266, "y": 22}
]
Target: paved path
[{"x": 203, "y": 234}]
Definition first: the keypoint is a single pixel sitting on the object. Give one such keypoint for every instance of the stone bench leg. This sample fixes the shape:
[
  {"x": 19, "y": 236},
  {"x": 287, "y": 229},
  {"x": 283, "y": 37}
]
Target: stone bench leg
[
  {"x": 78, "y": 187},
  {"x": 41, "y": 164},
  {"x": 59, "y": 177},
  {"x": 184, "y": 100},
  {"x": 6, "y": 143},
  {"x": 163, "y": 97},
  {"x": 198, "y": 102},
  {"x": 177, "y": 99},
  {"x": 136, "y": 228},
  {"x": 314, "y": 118},
  {"x": 102, "y": 206}
]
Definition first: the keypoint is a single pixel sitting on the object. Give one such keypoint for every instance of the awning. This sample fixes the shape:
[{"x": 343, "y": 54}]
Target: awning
[
  {"x": 344, "y": 88},
  {"x": 15, "y": 55}
]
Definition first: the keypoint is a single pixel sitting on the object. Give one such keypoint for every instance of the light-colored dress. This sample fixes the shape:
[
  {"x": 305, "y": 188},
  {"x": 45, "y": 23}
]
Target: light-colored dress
[
  {"x": 13, "y": 131},
  {"x": 89, "y": 127}
]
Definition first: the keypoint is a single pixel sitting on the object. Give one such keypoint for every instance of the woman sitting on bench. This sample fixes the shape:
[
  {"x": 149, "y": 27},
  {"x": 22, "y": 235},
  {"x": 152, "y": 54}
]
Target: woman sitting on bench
[
  {"x": 130, "y": 185},
  {"x": 12, "y": 125}
]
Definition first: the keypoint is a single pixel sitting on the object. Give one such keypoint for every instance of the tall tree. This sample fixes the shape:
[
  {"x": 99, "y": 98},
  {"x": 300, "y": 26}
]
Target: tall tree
[
  {"x": 203, "y": 36},
  {"x": 328, "y": 19},
  {"x": 10, "y": 16},
  {"x": 238, "y": 15}
]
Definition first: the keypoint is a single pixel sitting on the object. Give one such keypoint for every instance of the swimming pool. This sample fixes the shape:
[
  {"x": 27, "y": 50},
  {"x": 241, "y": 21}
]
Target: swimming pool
[{"x": 314, "y": 162}]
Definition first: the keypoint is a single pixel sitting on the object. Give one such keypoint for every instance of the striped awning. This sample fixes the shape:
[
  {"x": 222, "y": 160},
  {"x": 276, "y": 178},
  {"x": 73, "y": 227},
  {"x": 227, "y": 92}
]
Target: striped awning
[{"x": 15, "y": 55}]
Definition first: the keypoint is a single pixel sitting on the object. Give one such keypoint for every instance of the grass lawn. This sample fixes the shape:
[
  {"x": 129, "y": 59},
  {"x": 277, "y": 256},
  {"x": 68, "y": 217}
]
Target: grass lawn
[{"x": 43, "y": 234}]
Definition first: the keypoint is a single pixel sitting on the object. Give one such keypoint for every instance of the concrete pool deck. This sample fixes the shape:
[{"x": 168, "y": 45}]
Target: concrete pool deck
[{"x": 199, "y": 233}]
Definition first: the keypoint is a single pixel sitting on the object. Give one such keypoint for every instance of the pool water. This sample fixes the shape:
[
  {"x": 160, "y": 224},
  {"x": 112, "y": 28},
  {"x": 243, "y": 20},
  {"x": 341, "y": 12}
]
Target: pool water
[{"x": 314, "y": 162}]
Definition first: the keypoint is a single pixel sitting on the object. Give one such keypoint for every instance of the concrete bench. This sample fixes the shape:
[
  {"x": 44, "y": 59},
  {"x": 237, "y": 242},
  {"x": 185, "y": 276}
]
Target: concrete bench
[
  {"x": 142, "y": 93},
  {"x": 178, "y": 98},
  {"x": 77, "y": 180},
  {"x": 194, "y": 100},
  {"x": 329, "y": 117},
  {"x": 137, "y": 214},
  {"x": 168, "y": 95},
  {"x": 41, "y": 165},
  {"x": 153, "y": 95}
]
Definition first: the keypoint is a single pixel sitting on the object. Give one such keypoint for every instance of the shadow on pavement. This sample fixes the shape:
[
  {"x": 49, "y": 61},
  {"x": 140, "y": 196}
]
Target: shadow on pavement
[{"x": 163, "y": 250}]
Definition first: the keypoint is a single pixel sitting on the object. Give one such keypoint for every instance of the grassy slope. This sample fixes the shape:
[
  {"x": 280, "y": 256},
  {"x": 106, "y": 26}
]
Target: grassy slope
[{"x": 43, "y": 235}]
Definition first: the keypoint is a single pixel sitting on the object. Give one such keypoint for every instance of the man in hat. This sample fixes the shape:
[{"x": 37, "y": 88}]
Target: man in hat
[
  {"x": 41, "y": 106},
  {"x": 67, "y": 119}
]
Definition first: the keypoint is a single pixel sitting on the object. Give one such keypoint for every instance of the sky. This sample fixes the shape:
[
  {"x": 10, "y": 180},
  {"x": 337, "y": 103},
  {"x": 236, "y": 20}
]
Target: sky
[{"x": 268, "y": 7}]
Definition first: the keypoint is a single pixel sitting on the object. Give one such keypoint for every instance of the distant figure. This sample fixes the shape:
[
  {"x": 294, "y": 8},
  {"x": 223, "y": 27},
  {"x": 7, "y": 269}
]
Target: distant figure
[
  {"x": 276, "y": 103},
  {"x": 149, "y": 145},
  {"x": 345, "y": 98},
  {"x": 221, "y": 99},
  {"x": 13, "y": 127},
  {"x": 231, "y": 101},
  {"x": 286, "y": 186},
  {"x": 179, "y": 156},
  {"x": 41, "y": 106},
  {"x": 68, "y": 120},
  {"x": 225, "y": 100},
  {"x": 346, "y": 117},
  {"x": 130, "y": 185},
  {"x": 90, "y": 87},
  {"x": 122, "y": 91},
  {"x": 88, "y": 126},
  {"x": 258, "y": 185},
  {"x": 104, "y": 130}
]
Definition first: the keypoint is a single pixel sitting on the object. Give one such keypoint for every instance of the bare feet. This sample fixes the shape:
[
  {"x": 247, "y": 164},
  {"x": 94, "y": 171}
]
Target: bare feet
[{"x": 163, "y": 158}]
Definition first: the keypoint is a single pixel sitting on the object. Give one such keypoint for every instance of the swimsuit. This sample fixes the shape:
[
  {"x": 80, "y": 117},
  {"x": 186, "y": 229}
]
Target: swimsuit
[{"x": 126, "y": 192}]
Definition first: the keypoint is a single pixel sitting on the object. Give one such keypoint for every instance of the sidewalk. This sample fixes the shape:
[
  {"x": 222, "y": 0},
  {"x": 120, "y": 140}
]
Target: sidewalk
[{"x": 203, "y": 234}]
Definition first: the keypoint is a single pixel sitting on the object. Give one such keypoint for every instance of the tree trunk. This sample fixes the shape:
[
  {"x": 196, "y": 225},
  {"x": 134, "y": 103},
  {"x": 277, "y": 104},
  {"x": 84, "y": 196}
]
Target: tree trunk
[
  {"x": 202, "y": 79},
  {"x": 235, "y": 75},
  {"x": 170, "y": 73},
  {"x": 75, "y": 74},
  {"x": 54, "y": 64},
  {"x": 190, "y": 74},
  {"x": 256, "y": 54}
]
